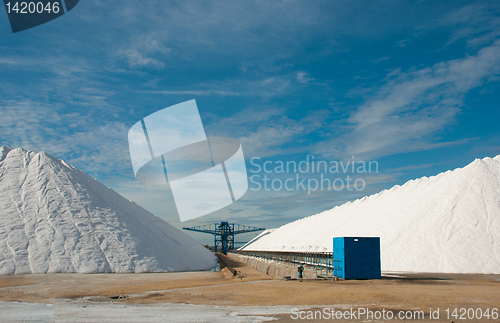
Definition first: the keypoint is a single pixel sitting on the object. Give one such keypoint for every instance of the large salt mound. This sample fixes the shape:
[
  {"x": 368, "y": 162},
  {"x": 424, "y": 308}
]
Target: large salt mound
[
  {"x": 55, "y": 218},
  {"x": 449, "y": 223}
]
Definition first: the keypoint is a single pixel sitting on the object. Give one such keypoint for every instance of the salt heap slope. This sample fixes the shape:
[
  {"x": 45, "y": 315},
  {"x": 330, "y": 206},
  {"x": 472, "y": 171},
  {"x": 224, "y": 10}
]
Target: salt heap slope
[
  {"x": 55, "y": 218},
  {"x": 449, "y": 223}
]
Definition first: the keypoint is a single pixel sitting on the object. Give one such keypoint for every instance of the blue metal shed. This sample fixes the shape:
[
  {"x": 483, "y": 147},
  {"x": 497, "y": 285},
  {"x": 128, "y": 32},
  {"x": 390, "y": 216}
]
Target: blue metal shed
[{"x": 356, "y": 257}]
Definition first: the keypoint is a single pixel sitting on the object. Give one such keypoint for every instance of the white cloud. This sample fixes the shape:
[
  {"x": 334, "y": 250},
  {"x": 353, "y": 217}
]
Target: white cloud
[
  {"x": 75, "y": 137},
  {"x": 478, "y": 23},
  {"x": 303, "y": 77},
  {"x": 264, "y": 87},
  {"x": 268, "y": 131},
  {"x": 193, "y": 92},
  {"x": 407, "y": 112},
  {"x": 13, "y": 62},
  {"x": 140, "y": 52}
]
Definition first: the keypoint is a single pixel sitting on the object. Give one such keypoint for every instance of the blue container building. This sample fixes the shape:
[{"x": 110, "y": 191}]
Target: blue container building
[{"x": 356, "y": 257}]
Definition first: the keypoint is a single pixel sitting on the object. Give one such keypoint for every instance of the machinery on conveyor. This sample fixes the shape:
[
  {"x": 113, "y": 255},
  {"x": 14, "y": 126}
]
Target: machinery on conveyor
[{"x": 223, "y": 234}]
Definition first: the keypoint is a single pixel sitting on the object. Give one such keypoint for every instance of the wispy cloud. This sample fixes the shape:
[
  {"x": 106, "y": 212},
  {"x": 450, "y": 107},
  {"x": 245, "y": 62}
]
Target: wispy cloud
[
  {"x": 193, "y": 92},
  {"x": 478, "y": 23},
  {"x": 13, "y": 62},
  {"x": 73, "y": 136},
  {"x": 303, "y": 77},
  {"x": 411, "y": 108},
  {"x": 271, "y": 86},
  {"x": 268, "y": 131},
  {"x": 142, "y": 50}
]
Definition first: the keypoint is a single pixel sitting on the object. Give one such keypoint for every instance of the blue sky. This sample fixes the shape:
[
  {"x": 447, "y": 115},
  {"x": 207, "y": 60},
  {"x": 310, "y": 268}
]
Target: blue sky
[{"x": 413, "y": 86}]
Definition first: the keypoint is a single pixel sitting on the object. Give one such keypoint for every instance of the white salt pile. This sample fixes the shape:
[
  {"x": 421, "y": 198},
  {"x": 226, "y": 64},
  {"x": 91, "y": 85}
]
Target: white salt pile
[
  {"x": 55, "y": 218},
  {"x": 449, "y": 223}
]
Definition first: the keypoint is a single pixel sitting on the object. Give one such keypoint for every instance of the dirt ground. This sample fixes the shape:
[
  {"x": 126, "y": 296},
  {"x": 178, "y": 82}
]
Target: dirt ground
[{"x": 251, "y": 287}]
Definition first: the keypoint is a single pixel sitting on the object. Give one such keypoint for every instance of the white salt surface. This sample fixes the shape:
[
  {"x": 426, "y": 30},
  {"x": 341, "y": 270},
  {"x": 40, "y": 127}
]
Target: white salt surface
[
  {"x": 80, "y": 312},
  {"x": 449, "y": 223},
  {"x": 55, "y": 218}
]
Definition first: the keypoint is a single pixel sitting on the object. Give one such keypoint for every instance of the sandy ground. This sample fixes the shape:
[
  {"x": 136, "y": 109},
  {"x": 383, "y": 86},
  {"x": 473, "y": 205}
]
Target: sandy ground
[{"x": 246, "y": 295}]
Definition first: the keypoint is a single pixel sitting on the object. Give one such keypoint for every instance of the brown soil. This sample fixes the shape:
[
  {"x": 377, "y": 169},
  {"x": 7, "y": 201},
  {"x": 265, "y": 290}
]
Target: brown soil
[
  {"x": 12, "y": 281},
  {"x": 251, "y": 287}
]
